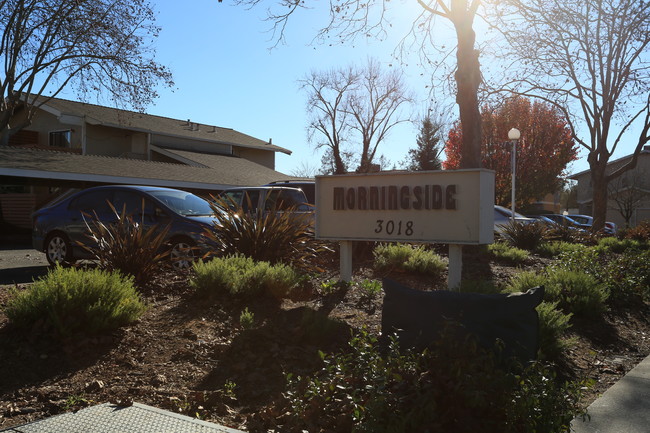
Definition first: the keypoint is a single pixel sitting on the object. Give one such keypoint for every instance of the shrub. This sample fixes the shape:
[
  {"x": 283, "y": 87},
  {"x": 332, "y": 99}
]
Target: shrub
[
  {"x": 640, "y": 233},
  {"x": 247, "y": 319},
  {"x": 370, "y": 288},
  {"x": 127, "y": 246},
  {"x": 240, "y": 275},
  {"x": 408, "y": 258},
  {"x": 557, "y": 248},
  {"x": 524, "y": 281},
  {"x": 271, "y": 236},
  {"x": 526, "y": 236},
  {"x": 77, "y": 301},
  {"x": 553, "y": 324},
  {"x": 502, "y": 251},
  {"x": 618, "y": 246},
  {"x": 374, "y": 389},
  {"x": 575, "y": 292},
  {"x": 487, "y": 287},
  {"x": 584, "y": 259},
  {"x": 628, "y": 275}
]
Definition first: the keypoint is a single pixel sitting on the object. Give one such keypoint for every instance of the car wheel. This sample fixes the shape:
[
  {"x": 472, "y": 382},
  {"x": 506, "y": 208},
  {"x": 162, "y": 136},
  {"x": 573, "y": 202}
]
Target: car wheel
[
  {"x": 58, "y": 250},
  {"x": 182, "y": 254}
]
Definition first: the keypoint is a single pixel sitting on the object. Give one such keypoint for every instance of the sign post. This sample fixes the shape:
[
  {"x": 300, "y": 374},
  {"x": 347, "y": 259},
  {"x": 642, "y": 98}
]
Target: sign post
[
  {"x": 455, "y": 269},
  {"x": 454, "y": 207},
  {"x": 345, "y": 257}
]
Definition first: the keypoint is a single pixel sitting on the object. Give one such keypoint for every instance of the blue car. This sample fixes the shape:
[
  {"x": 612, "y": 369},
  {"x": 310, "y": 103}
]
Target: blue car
[{"x": 60, "y": 227}]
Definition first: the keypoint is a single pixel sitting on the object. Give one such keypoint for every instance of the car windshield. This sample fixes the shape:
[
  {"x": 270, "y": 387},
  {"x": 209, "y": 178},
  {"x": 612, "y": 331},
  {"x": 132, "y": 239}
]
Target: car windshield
[
  {"x": 507, "y": 212},
  {"x": 184, "y": 203},
  {"x": 580, "y": 219}
]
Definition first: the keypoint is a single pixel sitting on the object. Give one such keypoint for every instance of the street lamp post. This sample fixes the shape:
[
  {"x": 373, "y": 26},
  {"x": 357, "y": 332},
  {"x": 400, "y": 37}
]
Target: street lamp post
[{"x": 513, "y": 136}]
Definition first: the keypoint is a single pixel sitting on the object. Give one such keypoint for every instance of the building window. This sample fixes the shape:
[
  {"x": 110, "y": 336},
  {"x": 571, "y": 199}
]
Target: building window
[{"x": 60, "y": 138}]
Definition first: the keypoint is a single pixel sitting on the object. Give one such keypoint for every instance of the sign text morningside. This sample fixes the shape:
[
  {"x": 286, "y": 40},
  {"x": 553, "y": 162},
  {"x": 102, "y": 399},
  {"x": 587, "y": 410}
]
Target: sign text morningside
[{"x": 393, "y": 197}]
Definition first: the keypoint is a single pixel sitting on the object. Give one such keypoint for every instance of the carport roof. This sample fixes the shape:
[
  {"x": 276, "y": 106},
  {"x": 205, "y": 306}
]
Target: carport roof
[{"x": 44, "y": 164}]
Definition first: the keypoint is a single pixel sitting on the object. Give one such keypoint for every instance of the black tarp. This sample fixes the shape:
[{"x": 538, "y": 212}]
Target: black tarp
[{"x": 417, "y": 317}]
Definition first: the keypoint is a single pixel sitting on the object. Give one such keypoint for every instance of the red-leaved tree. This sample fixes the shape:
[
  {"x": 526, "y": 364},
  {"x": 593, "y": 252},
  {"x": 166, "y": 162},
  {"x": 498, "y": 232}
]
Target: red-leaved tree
[{"x": 545, "y": 149}]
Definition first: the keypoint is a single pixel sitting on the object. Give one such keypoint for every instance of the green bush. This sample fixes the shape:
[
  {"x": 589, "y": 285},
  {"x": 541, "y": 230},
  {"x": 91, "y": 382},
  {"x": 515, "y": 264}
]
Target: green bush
[
  {"x": 628, "y": 275},
  {"x": 127, "y": 246},
  {"x": 613, "y": 245},
  {"x": 240, "y": 275},
  {"x": 524, "y": 281},
  {"x": 408, "y": 258},
  {"x": 525, "y": 236},
  {"x": 575, "y": 292},
  {"x": 584, "y": 259},
  {"x": 370, "y": 288},
  {"x": 247, "y": 319},
  {"x": 274, "y": 237},
  {"x": 371, "y": 388},
  {"x": 553, "y": 325},
  {"x": 557, "y": 248},
  {"x": 486, "y": 287},
  {"x": 77, "y": 301},
  {"x": 507, "y": 253}
]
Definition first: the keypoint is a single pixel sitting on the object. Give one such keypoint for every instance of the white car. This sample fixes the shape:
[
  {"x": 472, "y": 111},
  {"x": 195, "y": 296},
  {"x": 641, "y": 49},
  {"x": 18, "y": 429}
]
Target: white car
[{"x": 503, "y": 216}]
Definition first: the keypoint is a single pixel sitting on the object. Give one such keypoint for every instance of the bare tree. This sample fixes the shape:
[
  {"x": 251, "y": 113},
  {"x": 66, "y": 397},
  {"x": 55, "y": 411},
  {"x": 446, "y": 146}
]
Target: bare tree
[
  {"x": 349, "y": 19},
  {"x": 100, "y": 46},
  {"x": 590, "y": 59},
  {"x": 304, "y": 169},
  {"x": 354, "y": 105},
  {"x": 328, "y": 116},
  {"x": 629, "y": 191}
]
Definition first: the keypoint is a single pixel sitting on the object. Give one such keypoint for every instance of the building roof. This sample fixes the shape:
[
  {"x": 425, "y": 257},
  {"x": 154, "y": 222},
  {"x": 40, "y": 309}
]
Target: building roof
[
  {"x": 222, "y": 172},
  {"x": 644, "y": 151},
  {"x": 114, "y": 117}
]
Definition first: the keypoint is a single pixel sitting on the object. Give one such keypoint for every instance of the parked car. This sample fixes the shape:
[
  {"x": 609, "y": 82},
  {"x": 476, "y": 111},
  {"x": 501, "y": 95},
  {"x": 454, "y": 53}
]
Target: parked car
[
  {"x": 543, "y": 219},
  {"x": 266, "y": 198},
  {"x": 307, "y": 186},
  {"x": 60, "y": 228},
  {"x": 610, "y": 227},
  {"x": 566, "y": 221},
  {"x": 503, "y": 216}
]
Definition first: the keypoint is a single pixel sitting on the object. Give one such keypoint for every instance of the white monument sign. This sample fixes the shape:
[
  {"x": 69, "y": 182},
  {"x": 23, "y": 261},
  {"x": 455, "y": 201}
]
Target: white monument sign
[{"x": 455, "y": 207}]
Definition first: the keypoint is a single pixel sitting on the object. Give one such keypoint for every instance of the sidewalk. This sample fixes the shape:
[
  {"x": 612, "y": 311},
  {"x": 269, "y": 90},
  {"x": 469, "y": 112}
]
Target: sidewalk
[
  {"x": 109, "y": 418},
  {"x": 623, "y": 408}
]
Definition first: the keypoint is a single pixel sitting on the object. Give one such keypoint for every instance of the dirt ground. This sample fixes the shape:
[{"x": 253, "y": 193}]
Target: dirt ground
[{"x": 193, "y": 357}]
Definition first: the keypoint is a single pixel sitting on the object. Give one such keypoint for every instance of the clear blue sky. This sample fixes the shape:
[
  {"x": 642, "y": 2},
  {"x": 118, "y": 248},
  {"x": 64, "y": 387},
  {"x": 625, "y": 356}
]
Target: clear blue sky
[{"x": 226, "y": 75}]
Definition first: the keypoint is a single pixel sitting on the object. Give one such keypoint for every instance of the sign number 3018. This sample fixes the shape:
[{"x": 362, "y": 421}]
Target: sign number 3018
[{"x": 391, "y": 227}]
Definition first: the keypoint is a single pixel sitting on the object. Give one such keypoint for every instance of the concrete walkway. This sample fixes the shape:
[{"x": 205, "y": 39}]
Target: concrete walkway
[
  {"x": 109, "y": 418},
  {"x": 623, "y": 408}
]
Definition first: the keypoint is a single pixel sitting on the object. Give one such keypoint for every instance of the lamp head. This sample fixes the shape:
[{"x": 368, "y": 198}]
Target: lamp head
[{"x": 514, "y": 134}]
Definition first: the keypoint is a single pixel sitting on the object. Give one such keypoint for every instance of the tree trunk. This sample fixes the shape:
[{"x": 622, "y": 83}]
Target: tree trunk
[
  {"x": 468, "y": 79},
  {"x": 339, "y": 167},
  {"x": 599, "y": 194}
]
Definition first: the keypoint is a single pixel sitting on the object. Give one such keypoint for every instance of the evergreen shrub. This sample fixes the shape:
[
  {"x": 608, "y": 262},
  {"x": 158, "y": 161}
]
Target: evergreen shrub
[
  {"x": 72, "y": 301},
  {"x": 408, "y": 258},
  {"x": 243, "y": 276}
]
